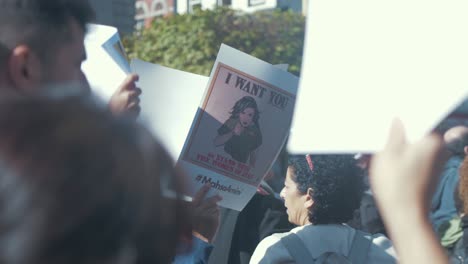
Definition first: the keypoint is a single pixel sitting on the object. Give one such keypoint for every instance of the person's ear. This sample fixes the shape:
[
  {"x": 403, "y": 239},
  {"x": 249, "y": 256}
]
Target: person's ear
[
  {"x": 465, "y": 149},
  {"x": 308, "y": 199},
  {"x": 24, "y": 69}
]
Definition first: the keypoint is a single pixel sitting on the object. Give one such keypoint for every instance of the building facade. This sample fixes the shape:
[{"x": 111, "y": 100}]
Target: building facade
[
  {"x": 117, "y": 13},
  {"x": 127, "y": 15},
  {"x": 147, "y": 10},
  {"x": 186, "y": 6}
]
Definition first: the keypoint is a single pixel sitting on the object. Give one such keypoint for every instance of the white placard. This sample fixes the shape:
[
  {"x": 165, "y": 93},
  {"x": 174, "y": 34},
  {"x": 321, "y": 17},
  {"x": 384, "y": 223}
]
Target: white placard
[
  {"x": 169, "y": 102},
  {"x": 105, "y": 70},
  {"x": 367, "y": 61}
]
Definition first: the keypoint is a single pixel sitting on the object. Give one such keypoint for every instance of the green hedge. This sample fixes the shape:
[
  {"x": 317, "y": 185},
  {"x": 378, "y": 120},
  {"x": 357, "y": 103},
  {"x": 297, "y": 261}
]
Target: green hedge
[{"x": 190, "y": 42}]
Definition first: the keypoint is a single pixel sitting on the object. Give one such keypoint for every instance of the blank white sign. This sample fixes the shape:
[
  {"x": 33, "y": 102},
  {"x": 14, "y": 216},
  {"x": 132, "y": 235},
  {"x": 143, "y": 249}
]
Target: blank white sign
[
  {"x": 368, "y": 61},
  {"x": 102, "y": 71},
  {"x": 169, "y": 102}
]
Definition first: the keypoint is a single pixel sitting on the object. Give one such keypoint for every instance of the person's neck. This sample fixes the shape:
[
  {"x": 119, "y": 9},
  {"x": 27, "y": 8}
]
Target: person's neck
[{"x": 305, "y": 220}]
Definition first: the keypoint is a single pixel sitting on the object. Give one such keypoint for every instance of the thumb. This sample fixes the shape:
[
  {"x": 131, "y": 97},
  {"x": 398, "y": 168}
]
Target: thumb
[
  {"x": 396, "y": 139},
  {"x": 129, "y": 82}
]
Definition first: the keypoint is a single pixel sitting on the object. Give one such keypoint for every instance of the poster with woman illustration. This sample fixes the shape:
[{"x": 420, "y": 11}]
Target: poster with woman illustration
[
  {"x": 240, "y": 127},
  {"x": 240, "y": 134}
]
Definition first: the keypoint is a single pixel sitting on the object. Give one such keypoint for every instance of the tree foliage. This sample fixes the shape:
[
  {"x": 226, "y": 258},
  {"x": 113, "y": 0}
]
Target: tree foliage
[{"x": 190, "y": 42}]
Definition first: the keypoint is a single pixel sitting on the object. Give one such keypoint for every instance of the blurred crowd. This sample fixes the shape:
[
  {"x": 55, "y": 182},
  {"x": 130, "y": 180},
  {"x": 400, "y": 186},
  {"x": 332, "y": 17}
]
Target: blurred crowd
[{"x": 81, "y": 181}]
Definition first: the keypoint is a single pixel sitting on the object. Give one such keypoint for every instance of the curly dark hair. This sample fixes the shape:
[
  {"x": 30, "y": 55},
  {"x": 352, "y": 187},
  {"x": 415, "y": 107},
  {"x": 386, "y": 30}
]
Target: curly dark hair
[
  {"x": 463, "y": 186},
  {"x": 337, "y": 186}
]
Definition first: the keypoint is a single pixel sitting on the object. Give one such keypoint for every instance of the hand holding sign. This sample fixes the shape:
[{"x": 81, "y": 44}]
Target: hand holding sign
[
  {"x": 126, "y": 101},
  {"x": 205, "y": 214},
  {"x": 402, "y": 177},
  {"x": 366, "y": 62}
]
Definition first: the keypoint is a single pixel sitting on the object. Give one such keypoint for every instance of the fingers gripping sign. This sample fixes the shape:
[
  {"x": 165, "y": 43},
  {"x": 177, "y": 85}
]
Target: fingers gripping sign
[
  {"x": 205, "y": 214},
  {"x": 126, "y": 101}
]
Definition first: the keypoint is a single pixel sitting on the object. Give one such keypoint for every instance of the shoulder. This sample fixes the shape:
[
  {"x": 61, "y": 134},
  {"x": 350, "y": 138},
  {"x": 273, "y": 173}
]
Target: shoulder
[
  {"x": 271, "y": 250},
  {"x": 382, "y": 250},
  {"x": 339, "y": 238},
  {"x": 452, "y": 165}
]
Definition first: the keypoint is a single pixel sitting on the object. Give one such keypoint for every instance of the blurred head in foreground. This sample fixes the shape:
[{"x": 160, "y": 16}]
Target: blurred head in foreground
[
  {"x": 42, "y": 43},
  {"x": 78, "y": 185}
]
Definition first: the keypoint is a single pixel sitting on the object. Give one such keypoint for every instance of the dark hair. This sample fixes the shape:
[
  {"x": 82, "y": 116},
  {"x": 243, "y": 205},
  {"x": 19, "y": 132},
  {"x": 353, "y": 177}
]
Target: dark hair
[
  {"x": 78, "y": 185},
  {"x": 337, "y": 186},
  {"x": 457, "y": 145},
  {"x": 40, "y": 24},
  {"x": 244, "y": 103}
]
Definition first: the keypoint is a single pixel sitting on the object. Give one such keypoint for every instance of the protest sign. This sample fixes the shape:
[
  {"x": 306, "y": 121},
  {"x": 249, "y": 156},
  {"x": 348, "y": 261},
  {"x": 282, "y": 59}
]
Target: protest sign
[
  {"x": 169, "y": 102},
  {"x": 114, "y": 47},
  {"x": 105, "y": 67},
  {"x": 240, "y": 126},
  {"x": 366, "y": 62}
]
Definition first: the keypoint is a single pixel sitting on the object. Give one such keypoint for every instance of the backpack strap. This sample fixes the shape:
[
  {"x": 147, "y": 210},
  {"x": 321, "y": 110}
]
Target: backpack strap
[
  {"x": 359, "y": 247},
  {"x": 296, "y": 249}
]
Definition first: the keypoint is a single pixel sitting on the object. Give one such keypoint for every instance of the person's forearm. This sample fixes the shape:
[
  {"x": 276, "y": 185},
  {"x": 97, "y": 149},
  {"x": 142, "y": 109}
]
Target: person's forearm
[{"x": 413, "y": 237}]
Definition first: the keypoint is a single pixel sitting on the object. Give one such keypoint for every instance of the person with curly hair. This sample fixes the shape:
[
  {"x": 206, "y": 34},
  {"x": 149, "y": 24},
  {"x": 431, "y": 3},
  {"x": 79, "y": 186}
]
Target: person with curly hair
[
  {"x": 321, "y": 193},
  {"x": 240, "y": 134}
]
